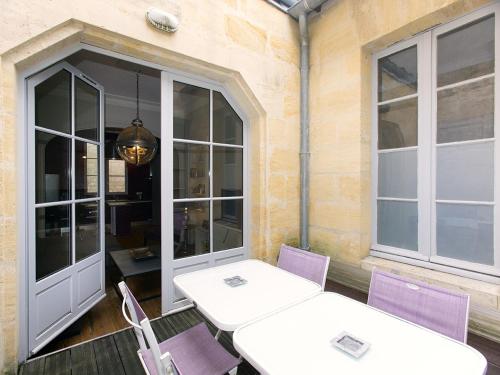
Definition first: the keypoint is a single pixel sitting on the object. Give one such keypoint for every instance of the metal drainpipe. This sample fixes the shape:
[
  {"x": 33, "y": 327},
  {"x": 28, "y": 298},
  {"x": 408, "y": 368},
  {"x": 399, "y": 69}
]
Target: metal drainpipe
[{"x": 304, "y": 131}]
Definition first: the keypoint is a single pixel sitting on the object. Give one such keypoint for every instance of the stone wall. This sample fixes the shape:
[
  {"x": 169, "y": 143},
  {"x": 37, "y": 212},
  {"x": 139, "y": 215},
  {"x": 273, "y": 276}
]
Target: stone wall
[
  {"x": 343, "y": 37},
  {"x": 248, "y": 45}
]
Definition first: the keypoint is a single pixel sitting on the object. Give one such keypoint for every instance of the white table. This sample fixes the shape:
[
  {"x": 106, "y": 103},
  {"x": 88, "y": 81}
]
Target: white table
[
  {"x": 268, "y": 289},
  {"x": 296, "y": 340}
]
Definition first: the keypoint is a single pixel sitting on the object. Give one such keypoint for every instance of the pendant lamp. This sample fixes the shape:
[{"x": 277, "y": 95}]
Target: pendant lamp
[{"x": 135, "y": 144}]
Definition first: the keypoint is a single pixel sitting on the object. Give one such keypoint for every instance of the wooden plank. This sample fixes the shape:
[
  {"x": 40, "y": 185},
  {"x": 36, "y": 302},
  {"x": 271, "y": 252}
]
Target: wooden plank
[
  {"x": 83, "y": 361},
  {"x": 163, "y": 329},
  {"x": 58, "y": 364},
  {"x": 107, "y": 357},
  {"x": 127, "y": 346},
  {"x": 34, "y": 367},
  {"x": 177, "y": 322}
]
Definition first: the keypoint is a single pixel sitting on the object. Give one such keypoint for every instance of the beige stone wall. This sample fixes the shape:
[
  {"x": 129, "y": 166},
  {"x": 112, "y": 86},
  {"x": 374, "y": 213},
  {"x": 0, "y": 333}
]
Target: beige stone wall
[
  {"x": 248, "y": 45},
  {"x": 343, "y": 37}
]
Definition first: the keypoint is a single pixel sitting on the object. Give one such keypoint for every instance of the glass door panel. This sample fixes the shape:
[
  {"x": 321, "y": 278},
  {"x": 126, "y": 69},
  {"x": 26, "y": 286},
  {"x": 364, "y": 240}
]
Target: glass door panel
[
  {"x": 52, "y": 167},
  {"x": 87, "y": 110},
  {"x": 53, "y": 103},
  {"x": 65, "y": 197},
  {"x": 228, "y": 171},
  {"x": 191, "y": 228},
  {"x": 191, "y": 112},
  {"x": 53, "y": 239}
]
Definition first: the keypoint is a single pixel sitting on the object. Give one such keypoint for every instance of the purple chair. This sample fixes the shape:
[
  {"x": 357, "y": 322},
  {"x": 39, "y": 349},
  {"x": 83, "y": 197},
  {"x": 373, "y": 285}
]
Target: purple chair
[
  {"x": 439, "y": 309},
  {"x": 305, "y": 264},
  {"x": 192, "y": 352}
]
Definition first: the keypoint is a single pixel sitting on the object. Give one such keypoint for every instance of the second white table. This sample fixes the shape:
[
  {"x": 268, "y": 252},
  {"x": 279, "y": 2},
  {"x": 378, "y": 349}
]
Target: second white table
[
  {"x": 268, "y": 289},
  {"x": 297, "y": 340}
]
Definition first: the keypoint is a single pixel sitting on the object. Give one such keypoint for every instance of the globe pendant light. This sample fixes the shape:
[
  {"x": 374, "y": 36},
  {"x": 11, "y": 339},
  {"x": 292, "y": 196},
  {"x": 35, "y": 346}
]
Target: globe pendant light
[{"x": 135, "y": 144}]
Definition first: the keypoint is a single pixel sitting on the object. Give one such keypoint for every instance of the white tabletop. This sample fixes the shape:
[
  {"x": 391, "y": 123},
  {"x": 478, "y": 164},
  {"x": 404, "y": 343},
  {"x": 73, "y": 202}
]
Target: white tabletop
[
  {"x": 268, "y": 289},
  {"x": 297, "y": 341}
]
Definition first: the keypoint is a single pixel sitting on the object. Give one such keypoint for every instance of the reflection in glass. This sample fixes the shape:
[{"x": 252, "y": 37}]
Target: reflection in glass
[
  {"x": 467, "y": 52},
  {"x": 228, "y": 171},
  {"x": 465, "y": 232},
  {"x": 191, "y": 112},
  {"x": 191, "y": 167},
  {"x": 86, "y": 170},
  {"x": 191, "y": 229},
  {"x": 227, "y": 125},
  {"x": 52, "y": 167},
  {"x": 465, "y": 172},
  {"x": 53, "y": 102},
  {"x": 397, "y": 124},
  {"x": 86, "y": 110},
  {"x": 397, "y": 74},
  {"x": 87, "y": 240},
  {"x": 465, "y": 112},
  {"x": 53, "y": 239},
  {"x": 397, "y": 224},
  {"x": 397, "y": 174},
  {"x": 228, "y": 224}
]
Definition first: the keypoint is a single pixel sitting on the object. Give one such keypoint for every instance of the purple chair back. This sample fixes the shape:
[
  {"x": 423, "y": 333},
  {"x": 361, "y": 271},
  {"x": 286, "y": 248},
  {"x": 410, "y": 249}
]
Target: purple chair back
[
  {"x": 136, "y": 313},
  {"x": 303, "y": 263},
  {"x": 139, "y": 312},
  {"x": 439, "y": 309}
]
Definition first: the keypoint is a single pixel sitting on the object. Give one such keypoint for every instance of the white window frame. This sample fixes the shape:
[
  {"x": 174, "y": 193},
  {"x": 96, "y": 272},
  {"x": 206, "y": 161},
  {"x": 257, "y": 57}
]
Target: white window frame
[{"x": 426, "y": 255}]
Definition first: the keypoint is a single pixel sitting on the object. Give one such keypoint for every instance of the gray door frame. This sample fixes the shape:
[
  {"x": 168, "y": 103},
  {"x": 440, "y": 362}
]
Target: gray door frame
[{"x": 58, "y": 300}]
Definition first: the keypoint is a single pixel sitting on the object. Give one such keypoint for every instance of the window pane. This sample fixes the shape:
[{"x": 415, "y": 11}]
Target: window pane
[
  {"x": 228, "y": 171},
  {"x": 86, "y": 170},
  {"x": 465, "y": 172},
  {"x": 191, "y": 229},
  {"x": 228, "y": 224},
  {"x": 397, "y": 124},
  {"x": 53, "y": 102},
  {"x": 191, "y": 165},
  {"x": 191, "y": 112},
  {"x": 86, "y": 110},
  {"x": 397, "y": 74},
  {"x": 466, "y": 52},
  {"x": 53, "y": 239},
  {"x": 227, "y": 126},
  {"x": 117, "y": 176},
  {"x": 397, "y": 174},
  {"x": 87, "y": 229},
  {"x": 465, "y": 112},
  {"x": 117, "y": 184},
  {"x": 52, "y": 167},
  {"x": 397, "y": 224},
  {"x": 465, "y": 232}
]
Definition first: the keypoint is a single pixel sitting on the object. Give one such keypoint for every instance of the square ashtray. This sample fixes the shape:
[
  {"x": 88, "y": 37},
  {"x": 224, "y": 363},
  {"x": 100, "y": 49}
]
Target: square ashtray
[
  {"x": 235, "y": 281},
  {"x": 350, "y": 344}
]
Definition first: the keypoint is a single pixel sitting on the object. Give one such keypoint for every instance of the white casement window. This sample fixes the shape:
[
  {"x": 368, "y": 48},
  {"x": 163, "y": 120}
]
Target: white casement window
[{"x": 435, "y": 149}]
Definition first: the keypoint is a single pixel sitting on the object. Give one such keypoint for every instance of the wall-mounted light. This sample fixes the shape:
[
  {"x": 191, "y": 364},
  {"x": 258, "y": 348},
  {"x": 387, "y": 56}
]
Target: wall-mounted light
[{"x": 162, "y": 20}]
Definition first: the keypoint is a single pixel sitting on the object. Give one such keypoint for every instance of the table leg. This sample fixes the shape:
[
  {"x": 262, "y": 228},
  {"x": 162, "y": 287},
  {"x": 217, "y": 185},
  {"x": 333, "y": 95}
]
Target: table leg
[{"x": 217, "y": 335}]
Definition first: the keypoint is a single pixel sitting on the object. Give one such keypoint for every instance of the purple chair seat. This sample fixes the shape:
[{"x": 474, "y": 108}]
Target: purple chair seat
[
  {"x": 438, "y": 309},
  {"x": 194, "y": 352}
]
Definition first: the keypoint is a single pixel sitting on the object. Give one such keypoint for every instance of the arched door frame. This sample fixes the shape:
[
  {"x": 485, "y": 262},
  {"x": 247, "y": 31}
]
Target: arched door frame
[{"x": 22, "y": 163}]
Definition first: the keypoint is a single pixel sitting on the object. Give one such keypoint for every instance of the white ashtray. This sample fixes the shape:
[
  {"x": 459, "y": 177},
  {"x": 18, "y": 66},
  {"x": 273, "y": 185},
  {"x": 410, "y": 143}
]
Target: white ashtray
[
  {"x": 350, "y": 344},
  {"x": 235, "y": 281}
]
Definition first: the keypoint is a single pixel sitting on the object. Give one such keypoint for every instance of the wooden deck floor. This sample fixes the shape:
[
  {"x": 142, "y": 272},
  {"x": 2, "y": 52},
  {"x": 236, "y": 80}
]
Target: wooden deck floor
[{"x": 117, "y": 353}]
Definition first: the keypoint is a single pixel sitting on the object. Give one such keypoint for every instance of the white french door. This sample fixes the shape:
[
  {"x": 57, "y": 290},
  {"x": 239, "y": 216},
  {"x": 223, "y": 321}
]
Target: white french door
[
  {"x": 65, "y": 200},
  {"x": 204, "y": 187}
]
